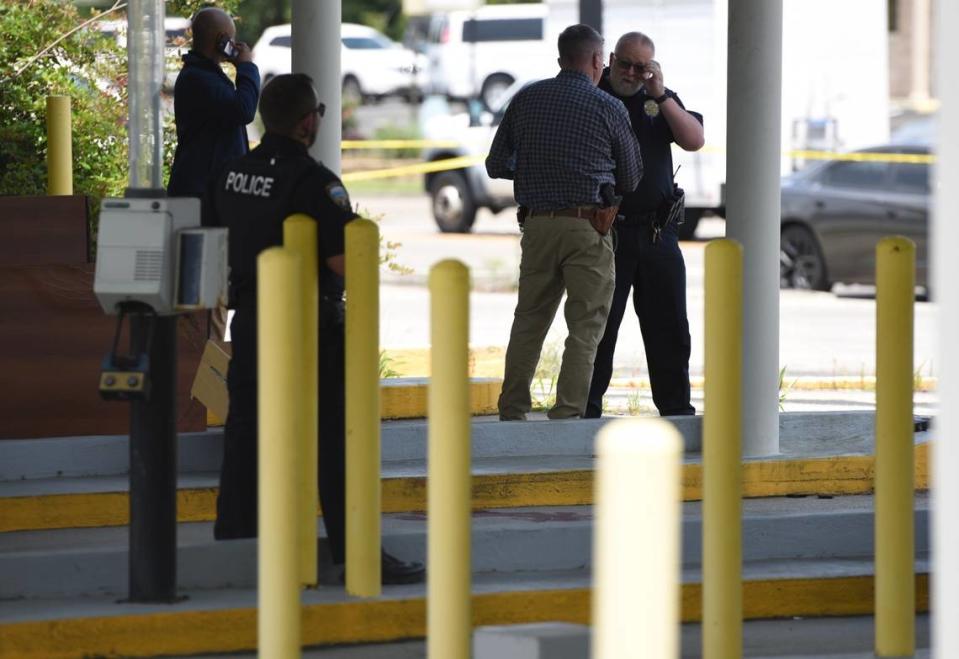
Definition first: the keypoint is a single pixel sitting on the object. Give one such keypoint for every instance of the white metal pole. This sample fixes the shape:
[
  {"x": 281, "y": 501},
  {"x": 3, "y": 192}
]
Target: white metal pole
[
  {"x": 145, "y": 40},
  {"x": 921, "y": 29},
  {"x": 753, "y": 118},
  {"x": 944, "y": 237},
  {"x": 636, "y": 593},
  {"x": 316, "y": 52}
]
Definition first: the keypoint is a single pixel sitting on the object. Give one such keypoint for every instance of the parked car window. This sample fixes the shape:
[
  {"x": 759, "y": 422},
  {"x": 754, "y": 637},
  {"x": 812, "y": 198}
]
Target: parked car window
[
  {"x": 439, "y": 30},
  {"x": 911, "y": 177},
  {"x": 285, "y": 41},
  {"x": 503, "y": 29},
  {"x": 850, "y": 174},
  {"x": 364, "y": 43}
]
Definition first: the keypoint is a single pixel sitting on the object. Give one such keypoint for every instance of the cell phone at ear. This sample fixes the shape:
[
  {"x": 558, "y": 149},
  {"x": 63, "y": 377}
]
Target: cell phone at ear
[{"x": 228, "y": 48}]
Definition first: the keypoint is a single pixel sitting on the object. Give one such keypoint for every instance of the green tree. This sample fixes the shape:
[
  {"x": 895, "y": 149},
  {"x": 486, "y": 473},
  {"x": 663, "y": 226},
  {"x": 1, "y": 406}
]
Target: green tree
[
  {"x": 42, "y": 53},
  {"x": 48, "y": 48}
]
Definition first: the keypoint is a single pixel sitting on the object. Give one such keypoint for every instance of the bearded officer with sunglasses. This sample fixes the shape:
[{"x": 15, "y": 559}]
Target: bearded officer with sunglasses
[
  {"x": 648, "y": 258},
  {"x": 252, "y": 197}
]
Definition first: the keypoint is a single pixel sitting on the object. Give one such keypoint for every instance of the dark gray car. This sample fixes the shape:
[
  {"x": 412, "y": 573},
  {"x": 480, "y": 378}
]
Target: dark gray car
[{"x": 835, "y": 212}]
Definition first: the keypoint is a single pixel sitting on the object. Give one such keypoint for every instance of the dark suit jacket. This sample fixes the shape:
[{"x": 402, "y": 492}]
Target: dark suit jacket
[{"x": 211, "y": 115}]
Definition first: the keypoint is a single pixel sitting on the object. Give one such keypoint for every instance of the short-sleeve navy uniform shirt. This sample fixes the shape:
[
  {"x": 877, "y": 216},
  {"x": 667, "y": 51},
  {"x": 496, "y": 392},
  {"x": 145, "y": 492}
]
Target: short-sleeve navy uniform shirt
[{"x": 655, "y": 140}]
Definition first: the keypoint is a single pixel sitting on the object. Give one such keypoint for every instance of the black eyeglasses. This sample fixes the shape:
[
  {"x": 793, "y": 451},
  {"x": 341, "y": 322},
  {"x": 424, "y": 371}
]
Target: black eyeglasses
[{"x": 625, "y": 65}]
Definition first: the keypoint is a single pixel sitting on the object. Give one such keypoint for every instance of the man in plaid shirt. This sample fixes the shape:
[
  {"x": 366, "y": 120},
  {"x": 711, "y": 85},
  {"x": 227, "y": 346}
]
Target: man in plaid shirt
[{"x": 567, "y": 146}]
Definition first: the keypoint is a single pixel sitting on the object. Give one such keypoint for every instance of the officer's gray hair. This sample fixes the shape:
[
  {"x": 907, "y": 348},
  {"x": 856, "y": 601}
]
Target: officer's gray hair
[
  {"x": 637, "y": 37},
  {"x": 285, "y": 100},
  {"x": 578, "y": 43}
]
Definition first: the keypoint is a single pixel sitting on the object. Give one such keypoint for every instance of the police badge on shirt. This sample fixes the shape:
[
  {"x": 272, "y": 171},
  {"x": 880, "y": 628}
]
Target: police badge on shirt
[{"x": 339, "y": 196}]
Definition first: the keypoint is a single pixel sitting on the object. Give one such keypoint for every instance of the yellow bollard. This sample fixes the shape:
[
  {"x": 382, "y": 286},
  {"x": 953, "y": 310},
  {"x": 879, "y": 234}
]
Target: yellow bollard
[
  {"x": 59, "y": 146},
  {"x": 722, "y": 452},
  {"x": 362, "y": 409},
  {"x": 895, "y": 569},
  {"x": 636, "y": 582},
  {"x": 299, "y": 236},
  {"x": 280, "y": 399},
  {"x": 449, "y": 617}
]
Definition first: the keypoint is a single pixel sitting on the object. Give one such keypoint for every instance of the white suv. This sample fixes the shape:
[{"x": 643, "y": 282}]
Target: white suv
[
  {"x": 373, "y": 66},
  {"x": 479, "y": 53}
]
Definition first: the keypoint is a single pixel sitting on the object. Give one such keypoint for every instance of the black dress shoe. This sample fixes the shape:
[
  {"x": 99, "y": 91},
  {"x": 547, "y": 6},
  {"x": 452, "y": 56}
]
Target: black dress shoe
[{"x": 395, "y": 571}]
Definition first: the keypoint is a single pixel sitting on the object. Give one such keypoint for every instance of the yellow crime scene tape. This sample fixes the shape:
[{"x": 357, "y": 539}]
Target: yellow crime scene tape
[
  {"x": 419, "y": 168},
  {"x": 399, "y": 144},
  {"x": 911, "y": 158},
  {"x": 462, "y": 162}
]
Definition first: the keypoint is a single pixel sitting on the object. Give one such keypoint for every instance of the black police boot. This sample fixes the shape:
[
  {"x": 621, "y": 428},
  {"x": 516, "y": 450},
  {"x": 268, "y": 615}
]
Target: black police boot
[{"x": 396, "y": 571}]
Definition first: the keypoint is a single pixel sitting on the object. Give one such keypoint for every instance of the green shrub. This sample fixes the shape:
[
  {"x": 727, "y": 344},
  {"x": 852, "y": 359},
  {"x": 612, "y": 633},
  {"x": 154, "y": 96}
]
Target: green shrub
[{"x": 46, "y": 50}]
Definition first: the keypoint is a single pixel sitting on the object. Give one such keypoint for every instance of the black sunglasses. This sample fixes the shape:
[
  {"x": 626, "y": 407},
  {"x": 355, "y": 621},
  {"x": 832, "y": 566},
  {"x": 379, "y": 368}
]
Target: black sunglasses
[
  {"x": 319, "y": 109},
  {"x": 626, "y": 65}
]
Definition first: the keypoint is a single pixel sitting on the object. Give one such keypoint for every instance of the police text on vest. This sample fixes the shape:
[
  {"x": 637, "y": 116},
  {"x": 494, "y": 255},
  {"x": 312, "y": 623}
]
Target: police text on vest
[{"x": 242, "y": 183}]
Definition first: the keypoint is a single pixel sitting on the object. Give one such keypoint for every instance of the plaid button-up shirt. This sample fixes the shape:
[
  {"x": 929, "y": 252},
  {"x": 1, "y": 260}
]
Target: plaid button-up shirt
[{"x": 560, "y": 140}]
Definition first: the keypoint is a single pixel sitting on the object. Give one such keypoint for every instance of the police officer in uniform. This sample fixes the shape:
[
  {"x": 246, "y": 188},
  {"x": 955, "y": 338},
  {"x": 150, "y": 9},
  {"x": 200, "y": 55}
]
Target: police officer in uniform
[
  {"x": 252, "y": 197},
  {"x": 648, "y": 258}
]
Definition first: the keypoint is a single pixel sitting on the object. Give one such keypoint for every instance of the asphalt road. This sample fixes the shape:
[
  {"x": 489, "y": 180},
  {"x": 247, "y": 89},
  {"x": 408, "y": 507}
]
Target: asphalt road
[{"x": 822, "y": 334}]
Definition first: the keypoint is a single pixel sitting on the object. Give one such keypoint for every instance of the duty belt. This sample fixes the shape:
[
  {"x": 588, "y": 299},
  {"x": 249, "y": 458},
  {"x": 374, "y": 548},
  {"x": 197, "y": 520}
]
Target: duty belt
[
  {"x": 641, "y": 218},
  {"x": 584, "y": 212}
]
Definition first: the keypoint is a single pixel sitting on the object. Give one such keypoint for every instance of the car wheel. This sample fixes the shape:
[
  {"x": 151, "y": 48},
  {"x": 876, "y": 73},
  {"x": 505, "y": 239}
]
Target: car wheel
[
  {"x": 352, "y": 92},
  {"x": 687, "y": 230},
  {"x": 493, "y": 88},
  {"x": 801, "y": 263},
  {"x": 454, "y": 208}
]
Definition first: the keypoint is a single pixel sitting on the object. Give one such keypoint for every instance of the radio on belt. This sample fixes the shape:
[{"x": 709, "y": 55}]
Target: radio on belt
[{"x": 153, "y": 258}]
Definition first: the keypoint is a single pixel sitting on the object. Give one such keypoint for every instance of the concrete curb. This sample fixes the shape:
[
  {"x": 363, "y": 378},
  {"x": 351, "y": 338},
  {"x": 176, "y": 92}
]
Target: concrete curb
[
  {"x": 208, "y": 628},
  {"x": 488, "y": 361},
  {"x": 830, "y": 476},
  {"x": 406, "y": 398}
]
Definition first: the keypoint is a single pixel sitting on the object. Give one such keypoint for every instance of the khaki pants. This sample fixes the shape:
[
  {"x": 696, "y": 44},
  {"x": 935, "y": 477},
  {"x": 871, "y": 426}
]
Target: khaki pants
[{"x": 559, "y": 254}]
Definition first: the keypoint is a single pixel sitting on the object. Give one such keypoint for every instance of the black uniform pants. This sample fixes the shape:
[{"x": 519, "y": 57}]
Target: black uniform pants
[
  {"x": 237, "y": 501},
  {"x": 657, "y": 275}
]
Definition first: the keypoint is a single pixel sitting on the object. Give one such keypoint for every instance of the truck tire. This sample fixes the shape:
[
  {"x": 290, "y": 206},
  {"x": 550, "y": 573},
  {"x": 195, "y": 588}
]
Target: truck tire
[
  {"x": 493, "y": 88},
  {"x": 454, "y": 207}
]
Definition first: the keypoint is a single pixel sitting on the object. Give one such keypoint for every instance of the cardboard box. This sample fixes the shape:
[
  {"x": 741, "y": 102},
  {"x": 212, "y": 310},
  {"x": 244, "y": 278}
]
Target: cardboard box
[{"x": 209, "y": 384}]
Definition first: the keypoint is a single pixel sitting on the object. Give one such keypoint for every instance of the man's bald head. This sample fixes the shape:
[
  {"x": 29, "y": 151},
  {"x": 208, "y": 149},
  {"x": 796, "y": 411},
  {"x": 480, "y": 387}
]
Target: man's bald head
[
  {"x": 632, "y": 39},
  {"x": 209, "y": 25}
]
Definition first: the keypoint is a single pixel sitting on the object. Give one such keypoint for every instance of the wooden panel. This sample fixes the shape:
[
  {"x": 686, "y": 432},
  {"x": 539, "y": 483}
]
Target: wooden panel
[
  {"x": 43, "y": 230},
  {"x": 53, "y": 336}
]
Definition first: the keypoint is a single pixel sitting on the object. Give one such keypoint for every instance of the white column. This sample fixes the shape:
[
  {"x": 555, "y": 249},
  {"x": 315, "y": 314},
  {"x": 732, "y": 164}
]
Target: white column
[
  {"x": 944, "y": 237},
  {"x": 316, "y": 52},
  {"x": 753, "y": 118},
  {"x": 919, "y": 92}
]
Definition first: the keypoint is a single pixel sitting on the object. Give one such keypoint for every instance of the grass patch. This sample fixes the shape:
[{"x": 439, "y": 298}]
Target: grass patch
[{"x": 400, "y": 185}]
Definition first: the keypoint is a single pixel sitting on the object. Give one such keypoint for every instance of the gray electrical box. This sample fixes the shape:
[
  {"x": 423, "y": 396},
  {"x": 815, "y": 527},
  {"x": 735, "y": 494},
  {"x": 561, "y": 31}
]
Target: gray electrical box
[
  {"x": 153, "y": 251},
  {"x": 202, "y": 268}
]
